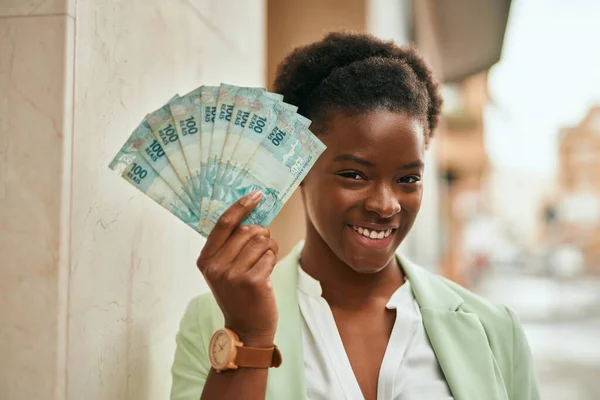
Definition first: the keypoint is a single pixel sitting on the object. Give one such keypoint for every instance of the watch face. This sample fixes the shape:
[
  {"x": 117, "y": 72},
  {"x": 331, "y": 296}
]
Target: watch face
[{"x": 220, "y": 346}]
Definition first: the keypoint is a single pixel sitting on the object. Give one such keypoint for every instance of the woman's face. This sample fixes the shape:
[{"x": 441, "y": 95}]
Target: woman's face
[{"x": 364, "y": 193}]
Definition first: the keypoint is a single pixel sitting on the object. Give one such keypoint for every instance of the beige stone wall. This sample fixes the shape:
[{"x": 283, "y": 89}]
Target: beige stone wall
[
  {"x": 94, "y": 276},
  {"x": 36, "y": 86}
]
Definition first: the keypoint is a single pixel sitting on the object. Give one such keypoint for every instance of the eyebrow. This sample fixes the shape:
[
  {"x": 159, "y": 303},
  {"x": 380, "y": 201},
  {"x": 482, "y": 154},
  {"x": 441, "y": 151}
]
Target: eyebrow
[
  {"x": 414, "y": 164},
  {"x": 362, "y": 161},
  {"x": 351, "y": 157}
]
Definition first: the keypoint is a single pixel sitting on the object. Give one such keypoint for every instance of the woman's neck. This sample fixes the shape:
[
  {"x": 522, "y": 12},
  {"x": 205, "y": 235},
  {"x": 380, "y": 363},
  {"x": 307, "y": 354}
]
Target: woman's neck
[{"x": 342, "y": 287}]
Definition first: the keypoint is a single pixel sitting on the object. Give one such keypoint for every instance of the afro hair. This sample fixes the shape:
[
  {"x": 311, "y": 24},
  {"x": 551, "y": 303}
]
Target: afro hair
[{"x": 359, "y": 73}]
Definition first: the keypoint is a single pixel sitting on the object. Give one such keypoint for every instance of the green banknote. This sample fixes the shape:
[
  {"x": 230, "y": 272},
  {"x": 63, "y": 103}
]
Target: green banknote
[
  {"x": 134, "y": 168},
  {"x": 187, "y": 116},
  {"x": 208, "y": 106},
  {"x": 200, "y": 153},
  {"x": 163, "y": 127}
]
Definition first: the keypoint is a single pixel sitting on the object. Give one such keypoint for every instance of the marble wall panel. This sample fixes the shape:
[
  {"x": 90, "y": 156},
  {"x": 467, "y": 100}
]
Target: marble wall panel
[
  {"x": 25, "y": 8},
  {"x": 36, "y": 86}
]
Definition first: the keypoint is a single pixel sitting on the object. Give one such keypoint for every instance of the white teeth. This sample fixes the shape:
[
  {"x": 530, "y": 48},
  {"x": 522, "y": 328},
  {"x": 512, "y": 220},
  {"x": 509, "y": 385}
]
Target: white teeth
[{"x": 372, "y": 233}]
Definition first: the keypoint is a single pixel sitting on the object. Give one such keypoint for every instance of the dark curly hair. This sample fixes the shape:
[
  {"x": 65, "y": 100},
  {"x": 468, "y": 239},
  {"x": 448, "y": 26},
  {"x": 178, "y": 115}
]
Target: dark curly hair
[{"x": 358, "y": 73}]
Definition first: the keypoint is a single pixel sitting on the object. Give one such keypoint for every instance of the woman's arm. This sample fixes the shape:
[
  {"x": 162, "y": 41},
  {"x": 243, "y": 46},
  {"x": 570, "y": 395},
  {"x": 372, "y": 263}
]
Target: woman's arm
[
  {"x": 193, "y": 378},
  {"x": 191, "y": 365},
  {"x": 236, "y": 263}
]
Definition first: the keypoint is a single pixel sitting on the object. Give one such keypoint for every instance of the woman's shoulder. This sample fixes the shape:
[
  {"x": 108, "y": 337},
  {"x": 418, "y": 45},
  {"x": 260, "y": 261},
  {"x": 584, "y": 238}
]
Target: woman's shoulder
[
  {"x": 503, "y": 331},
  {"x": 434, "y": 291},
  {"x": 498, "y": 321},
  {"x": 491, "y": 312},
  {"x": 500, "y": 324}
]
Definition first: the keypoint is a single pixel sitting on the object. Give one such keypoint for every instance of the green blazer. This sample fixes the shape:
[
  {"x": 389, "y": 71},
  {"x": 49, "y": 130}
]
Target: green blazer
[{"x": 481, "y": 347}]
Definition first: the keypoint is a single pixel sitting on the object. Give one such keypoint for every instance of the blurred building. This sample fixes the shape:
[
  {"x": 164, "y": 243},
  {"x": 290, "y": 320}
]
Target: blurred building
[
  {"x": 577, "y": 206},
  {"x": 463, "y": 166}
]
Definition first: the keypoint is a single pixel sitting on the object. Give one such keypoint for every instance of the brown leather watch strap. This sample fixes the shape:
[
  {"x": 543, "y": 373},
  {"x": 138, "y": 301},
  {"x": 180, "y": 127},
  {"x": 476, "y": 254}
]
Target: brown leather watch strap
[{"x": 252, "y": 357}]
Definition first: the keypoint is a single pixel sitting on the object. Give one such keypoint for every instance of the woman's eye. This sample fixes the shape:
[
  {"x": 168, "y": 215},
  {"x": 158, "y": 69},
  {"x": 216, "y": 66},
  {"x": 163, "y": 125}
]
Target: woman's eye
[
  {"x": 410, "y": 179},
  {"x": 355, "y": 176}
]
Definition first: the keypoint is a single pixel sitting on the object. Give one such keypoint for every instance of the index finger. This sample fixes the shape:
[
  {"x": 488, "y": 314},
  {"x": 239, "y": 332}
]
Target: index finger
[{"x": 228, "y": 222}]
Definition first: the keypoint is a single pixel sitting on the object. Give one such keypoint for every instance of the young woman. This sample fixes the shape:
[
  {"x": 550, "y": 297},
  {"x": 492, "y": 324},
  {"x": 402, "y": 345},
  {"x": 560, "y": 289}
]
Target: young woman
[{"x": 344, "y": 315}]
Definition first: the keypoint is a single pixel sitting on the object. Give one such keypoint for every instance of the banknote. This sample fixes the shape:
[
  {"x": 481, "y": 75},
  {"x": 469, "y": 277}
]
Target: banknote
[
  {"x": 208, "y": 105},
  {"x": 244, "y": 99},
  {"x": 263, "y": 114},
  {"x": 141, "y": 175},
  {"x": 132, "y": 167},
  {"x": 282, "y": 160},
  {"x": 239, "y": 116},
  {"x": 224, "y": 110},
  {"x": 187, "y": 117},
  {"x": 242, "y": 102},
  {"x": 162, "y": 125},
  {"x": 292, "y": 155},
  {"x": 290, "y": 149},
  {"x": 263, "y": 117},
  {"x": 201, "y": 152},
  {"x": 152, "y": 151}
]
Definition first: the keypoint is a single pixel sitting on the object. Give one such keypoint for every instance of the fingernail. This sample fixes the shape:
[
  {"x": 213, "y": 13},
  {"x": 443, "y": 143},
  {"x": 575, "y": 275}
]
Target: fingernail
[{"x": 251, "y": 197}]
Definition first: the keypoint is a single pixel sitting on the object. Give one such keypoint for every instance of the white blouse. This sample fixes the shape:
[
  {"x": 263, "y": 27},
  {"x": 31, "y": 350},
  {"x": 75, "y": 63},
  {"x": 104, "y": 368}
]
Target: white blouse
[{"x": 409, "y": 370}]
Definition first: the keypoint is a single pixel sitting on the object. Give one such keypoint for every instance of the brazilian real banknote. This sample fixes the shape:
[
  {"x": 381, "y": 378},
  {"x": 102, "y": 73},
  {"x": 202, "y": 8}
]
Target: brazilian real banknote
[
  {"x": 201, "y": 152},
  {"x": 134, "y": 168},
  {"x": 163, "y": 127},
  {"x": 223, "y": 112},
  {"x": 152, "y": 151},
  {"x": 208, "y": 106},
  {"x": 244, "y": 99},
  {"x": 262, "y": 114},
  {"x": 280, "y": 162},
  {"x": 187, "y": 116}
]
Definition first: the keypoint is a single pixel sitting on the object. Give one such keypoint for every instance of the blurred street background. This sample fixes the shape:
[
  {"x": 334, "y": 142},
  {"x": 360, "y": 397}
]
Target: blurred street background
[{"x": 92, "y": 288}]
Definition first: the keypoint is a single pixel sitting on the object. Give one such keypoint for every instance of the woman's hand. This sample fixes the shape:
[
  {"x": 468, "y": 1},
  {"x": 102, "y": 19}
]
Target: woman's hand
[{"x": 237, "y": 262}]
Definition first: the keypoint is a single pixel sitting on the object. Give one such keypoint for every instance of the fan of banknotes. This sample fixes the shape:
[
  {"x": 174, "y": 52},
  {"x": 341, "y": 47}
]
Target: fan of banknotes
[{"x": 201, "y": 152}]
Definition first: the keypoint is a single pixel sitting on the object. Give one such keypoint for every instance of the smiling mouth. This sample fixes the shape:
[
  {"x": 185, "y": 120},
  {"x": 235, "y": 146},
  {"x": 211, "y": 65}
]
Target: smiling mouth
[{"x": 372, "y": 233}]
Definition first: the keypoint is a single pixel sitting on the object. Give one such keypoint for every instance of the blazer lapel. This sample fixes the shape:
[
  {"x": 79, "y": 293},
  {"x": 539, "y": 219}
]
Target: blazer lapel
[
  {"x": 457, "y": 337},
  {"x": 462, "y": 349},
  {"x": 289, "y": 378}
]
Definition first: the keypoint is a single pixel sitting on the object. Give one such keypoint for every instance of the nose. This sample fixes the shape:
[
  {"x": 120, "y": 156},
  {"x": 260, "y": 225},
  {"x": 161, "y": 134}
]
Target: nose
[{"x": 383, "y": 200}]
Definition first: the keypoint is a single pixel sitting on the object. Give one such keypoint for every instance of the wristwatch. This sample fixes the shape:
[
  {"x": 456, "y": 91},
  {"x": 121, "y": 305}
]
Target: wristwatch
[{"x": 227, "y": 352}]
